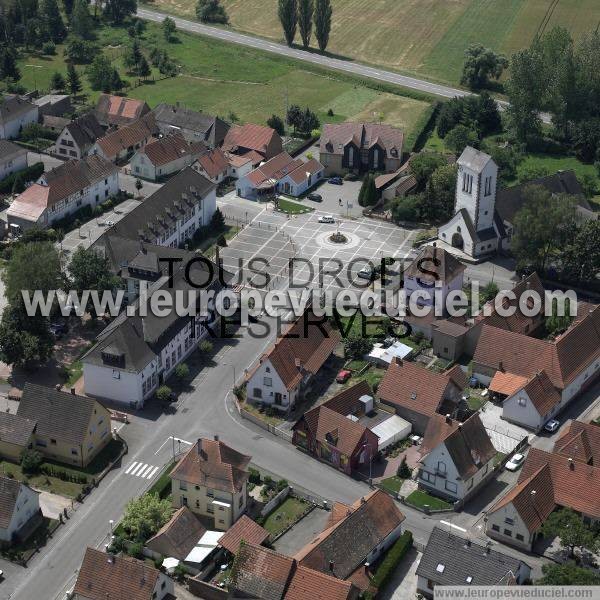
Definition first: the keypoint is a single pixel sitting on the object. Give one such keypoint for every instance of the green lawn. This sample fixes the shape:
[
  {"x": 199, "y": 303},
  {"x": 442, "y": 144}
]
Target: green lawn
[
  {"x": 208, "y": 244},
  {"x": 292, "y": 208},
  {"x": 391, "y": 484},
  {"x": 553, "y": 163},
  {"x": 475, "y": 400},
  {"x": 420, "y": 498},
  {"x": 287, "y": 513},
  {"x": 54, "y": 485},
  {"x": 424, "y": 37},
  {"x": 222, "y": 78}
]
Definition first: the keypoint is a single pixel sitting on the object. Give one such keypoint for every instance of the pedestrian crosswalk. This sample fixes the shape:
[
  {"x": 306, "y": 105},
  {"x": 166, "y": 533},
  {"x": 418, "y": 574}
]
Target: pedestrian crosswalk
[{"x": 143, "y": 470}]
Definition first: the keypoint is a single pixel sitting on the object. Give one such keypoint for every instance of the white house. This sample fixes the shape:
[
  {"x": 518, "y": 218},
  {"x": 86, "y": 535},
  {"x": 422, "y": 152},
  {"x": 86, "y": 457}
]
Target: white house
[
  {"x": 456, "y": 458},
  {"x": 102, "y": 576},
  {"x": 13, "y": 158},
  {"x": 283, "y": 174},
  {"x": 173, "y": 213},
  {"x": 16, "y": 113},
  {"x": 475, "y": 227},
  {"x": 64, "y": 190},
  {"x": 533, "y": 404},
  {"x": 20, "y": 510},
  {"x": 433, "y": 271},
  {"x": 134, "y": 355},
  {"x": 165, "y": 156},
  {"x": 571, "y": 363},
  {"x": 78, "y": 137},
  {"x": 285, "y": 371}
]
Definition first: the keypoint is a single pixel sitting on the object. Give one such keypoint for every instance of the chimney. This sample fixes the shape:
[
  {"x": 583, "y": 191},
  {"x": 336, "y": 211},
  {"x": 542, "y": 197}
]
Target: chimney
[
  {"x": 199, "y": 447},
  {"x": 216, "y": 438},
  {"x": 362, "y": 500},
  {"x": 468, "y": 543},
  {"x": 448, "y": 419},
  {"x": 298, "y": 363},
  {"x": 73, "y": 391},
  {"x": 571, "y": 464},
  {"x": 331, "y": 565},
  {"x": 501, "y": 366},
  {"x": 57, "y": 387}
]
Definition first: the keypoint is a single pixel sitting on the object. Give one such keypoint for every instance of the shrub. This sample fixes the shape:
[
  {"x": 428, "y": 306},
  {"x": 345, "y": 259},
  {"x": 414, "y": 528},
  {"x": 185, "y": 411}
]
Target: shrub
[
  {"x": 389, "y": 564},
  {"x": 268, "y": 481},
  {"x": 49, "y": 48},
  {"x": 31, "y": 461},
  {"x": 356, "y": 347},
  {"x": 164, "y": 393},
  {"x": 136, "y": 550},
  {"x": 281, "y": 485},
  {"x": 205, "y": 346},
  {"x": 330, "y": 112},
  {"x": 254, "y": 476},
  {"x": 29, "y": 174},
  {"x": 404, "y": 470},
  {"x": 182, "y": 371}
]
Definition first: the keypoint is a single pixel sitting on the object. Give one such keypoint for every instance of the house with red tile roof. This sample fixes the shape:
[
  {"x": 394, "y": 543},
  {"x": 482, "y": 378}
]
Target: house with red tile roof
[
  {"x": 285, "y": 371},
  {"x": 457, "y": 459},
  {"x": 571, "y": 363},
  {"x": 282, "y": 174},
  {"x": 417, "y": 393},
  {"x": 63, "y": 190},
  {"x": 214, "y": 165},
  {"x": 261, "y": 573},
  {"x": 348, "y": 147},
  {"x": 534, "y": 402},
  {"x": 548, "y": 480},
  {"x": 580, "y": 441},
  {"x": 102, "y": 576},
  {"x": 116, "y": 111},
  {"x": 243, "y": 529},
  {"x": 211, "y": 481},
  {"x": 118, "y": 145},
  {"x": 163, "y": 157},
  {"x": 361, "y": 533},
  {"x": 243, "y": 139},
  {"x": 327, "y": 433}
]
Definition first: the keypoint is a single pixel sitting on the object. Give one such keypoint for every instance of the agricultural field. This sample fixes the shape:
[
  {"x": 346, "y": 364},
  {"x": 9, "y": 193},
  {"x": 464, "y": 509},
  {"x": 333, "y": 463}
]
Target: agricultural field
[
  {"x": 222, "y": 79},
  {"x": 422, "y": 37}
]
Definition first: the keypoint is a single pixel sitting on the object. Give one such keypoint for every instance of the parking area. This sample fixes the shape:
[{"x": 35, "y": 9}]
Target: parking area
[
  {"x": 89, "y": 232},
  {"x": 505, "y": 436},
  {"x": 305, "y": 530},
  {"x": 318, "y": 262},
  {"x": 339, "y": 200}
]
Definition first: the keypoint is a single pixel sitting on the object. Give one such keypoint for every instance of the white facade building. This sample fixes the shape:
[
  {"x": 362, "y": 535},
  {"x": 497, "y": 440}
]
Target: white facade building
[
  {"x": 15, "y": 114},
  {"x": 13, "y": 158},
  {"x": 20, "y": 506}
]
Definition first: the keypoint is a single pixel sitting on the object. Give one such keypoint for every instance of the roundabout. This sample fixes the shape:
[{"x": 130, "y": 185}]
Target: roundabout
[{"x": 337, "y": 240}]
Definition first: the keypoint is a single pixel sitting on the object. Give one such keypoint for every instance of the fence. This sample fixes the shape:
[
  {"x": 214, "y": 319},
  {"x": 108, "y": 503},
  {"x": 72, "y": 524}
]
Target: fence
[
  {"x": 274, "y": 502},
  {"x": 286, "y": 435}
]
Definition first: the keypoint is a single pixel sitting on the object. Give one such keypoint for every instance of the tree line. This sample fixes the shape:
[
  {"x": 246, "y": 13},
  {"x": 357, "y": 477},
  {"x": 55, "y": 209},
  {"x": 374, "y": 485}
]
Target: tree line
[{"x": 302, "y": 16}]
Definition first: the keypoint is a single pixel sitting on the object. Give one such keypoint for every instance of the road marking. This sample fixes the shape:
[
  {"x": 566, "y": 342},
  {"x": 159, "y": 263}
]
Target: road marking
[
  {"x": 140, "y": 469},
  {"x": 453, "y": 526}
]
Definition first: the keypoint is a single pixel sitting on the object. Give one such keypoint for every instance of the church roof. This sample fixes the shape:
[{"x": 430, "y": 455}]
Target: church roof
[{"x": 473, "y": 159}]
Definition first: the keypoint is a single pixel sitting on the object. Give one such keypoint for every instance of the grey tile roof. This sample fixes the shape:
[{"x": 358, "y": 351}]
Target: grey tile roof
[
  {"x": 138, "y": 339},
  {"x": 161, "y": 211},
  {"x": 12, "y": 107},
  {"x": 476, "y": 160},
  {"x": 212, "y": 129},
  {"x": 58, "y": 414},
  {"x": 449, "y": 560},
  {"x": 15, "y": 429},
  {"x": 85, "y": 130},
  {"x": 9, "y": 492},
  {"x": 510, "y": 200},
  {"x": 9, "y": 150}
]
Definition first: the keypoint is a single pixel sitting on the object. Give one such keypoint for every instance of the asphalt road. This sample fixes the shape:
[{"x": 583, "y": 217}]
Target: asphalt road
[{"x": 337, "y": 64}]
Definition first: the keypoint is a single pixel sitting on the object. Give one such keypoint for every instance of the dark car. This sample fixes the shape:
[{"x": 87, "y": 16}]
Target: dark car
[
  {"x": 58, "y": 329},
  {"x": 315, "y": 197},
  {"x": 336, "y": 181}
]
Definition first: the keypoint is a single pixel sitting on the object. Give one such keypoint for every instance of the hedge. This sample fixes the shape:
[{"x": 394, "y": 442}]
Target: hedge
[
  {"x": 29, "y": 174},
  {"x": 395, "y": 554},
  {"x": 423, "y": 128}
]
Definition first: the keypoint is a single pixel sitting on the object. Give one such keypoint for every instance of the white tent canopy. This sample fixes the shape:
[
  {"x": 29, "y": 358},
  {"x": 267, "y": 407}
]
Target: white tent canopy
[{"x": 392, "y": 430}]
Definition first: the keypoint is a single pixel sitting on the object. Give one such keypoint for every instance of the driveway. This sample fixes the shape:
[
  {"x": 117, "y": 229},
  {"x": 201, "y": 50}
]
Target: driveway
[
  {"x": 403, "y": 584},
  {"x": 302, "y": 532},
  {"x": 52, "y": 505},
  {"x": 505, "y": 436}
]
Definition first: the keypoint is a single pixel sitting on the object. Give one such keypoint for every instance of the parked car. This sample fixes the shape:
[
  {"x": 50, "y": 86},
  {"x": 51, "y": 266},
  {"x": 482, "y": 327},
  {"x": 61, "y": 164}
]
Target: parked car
[
  {"x": 343, "y": 376},
  {"x": 109, "y": 223},
  {"x": 552, "y": 425},
  {"x": 367, "y": 273},
  {"x": 336, "y": 181},
  {"x": 58, "y": 329},
  {"x": 315, "y": 197},
  {"x": 515, "y": 462},
  {"x": 326, "y": 219}
]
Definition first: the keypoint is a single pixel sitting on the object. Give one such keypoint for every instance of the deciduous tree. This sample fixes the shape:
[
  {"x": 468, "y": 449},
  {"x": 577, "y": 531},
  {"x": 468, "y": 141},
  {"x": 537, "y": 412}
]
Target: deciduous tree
[
  {"x": 211, "y": 11},
  {"x": 145, "y": 515},
  {"x": 480, "y": 65}
]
